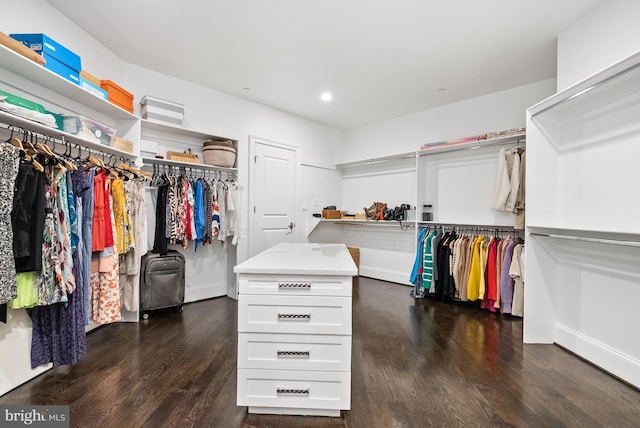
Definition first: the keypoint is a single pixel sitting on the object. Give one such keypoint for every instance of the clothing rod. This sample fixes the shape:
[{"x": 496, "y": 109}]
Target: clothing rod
[
  {"x": 587, "y": 239},
  {"x": 481, "y": 226},
  {"x": 22, "y": 125},
  {"x": 61, "y": 141}
]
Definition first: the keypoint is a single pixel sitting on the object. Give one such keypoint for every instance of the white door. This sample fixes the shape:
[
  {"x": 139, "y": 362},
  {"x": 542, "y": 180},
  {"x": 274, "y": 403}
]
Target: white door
[{"x": 272, "y": 194}]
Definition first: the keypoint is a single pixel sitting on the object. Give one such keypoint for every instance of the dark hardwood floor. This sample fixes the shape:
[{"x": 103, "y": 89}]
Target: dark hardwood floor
[{"x": 414, "y": 364}]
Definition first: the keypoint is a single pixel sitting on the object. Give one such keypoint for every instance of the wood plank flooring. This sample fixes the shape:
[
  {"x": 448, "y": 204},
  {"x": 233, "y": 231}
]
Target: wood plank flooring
[{"x": 415, "y": 364}]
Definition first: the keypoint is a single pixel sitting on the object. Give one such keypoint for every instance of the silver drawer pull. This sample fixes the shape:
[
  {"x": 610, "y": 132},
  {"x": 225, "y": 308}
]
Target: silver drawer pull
[
  {"x": 305, "y": 354},
  {"x": 296, "y": 285},
  {"x": 293, "y": 391},
  {"x": 294, "y": 316}
]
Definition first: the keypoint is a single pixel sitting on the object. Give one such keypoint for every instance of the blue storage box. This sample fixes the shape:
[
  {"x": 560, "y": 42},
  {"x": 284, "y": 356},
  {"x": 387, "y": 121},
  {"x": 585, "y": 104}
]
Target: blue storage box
[
  {"x": 93, "y": 88},
  {"x": 60, "y": 60}
]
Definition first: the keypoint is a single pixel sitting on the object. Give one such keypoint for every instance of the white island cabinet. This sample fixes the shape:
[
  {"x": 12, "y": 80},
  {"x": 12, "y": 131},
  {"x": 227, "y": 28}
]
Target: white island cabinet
[{"x": 294, "y": 330}]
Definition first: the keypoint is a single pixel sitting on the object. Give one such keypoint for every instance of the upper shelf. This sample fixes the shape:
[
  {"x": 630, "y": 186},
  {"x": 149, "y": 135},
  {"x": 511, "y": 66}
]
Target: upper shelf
[
  {"x": 28, "y": 69},
  {"x": 403, "y": 162},
  {"x": 41, "y": 129},
  {"x": 601, "y": 109},
  {"x": 491, "y": 142},
  {"x": 586, "y": 89},
  {"x": 177, "y": 130},
  {"x": 373, "y": 166},
  {"x": 152, "y": 161}
]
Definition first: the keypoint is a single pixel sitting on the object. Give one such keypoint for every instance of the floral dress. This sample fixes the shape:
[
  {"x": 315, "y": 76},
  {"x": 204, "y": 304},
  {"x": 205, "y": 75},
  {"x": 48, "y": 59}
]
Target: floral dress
[{"x": 9, "y": 164}]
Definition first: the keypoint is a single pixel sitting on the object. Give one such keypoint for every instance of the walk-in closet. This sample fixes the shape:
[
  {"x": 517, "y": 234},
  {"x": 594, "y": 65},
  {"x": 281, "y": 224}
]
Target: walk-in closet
[{"x": 257, "y": 214}]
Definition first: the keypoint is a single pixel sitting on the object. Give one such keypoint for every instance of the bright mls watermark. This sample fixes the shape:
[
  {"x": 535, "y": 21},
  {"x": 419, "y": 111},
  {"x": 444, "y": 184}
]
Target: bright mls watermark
[{"x": 34, "y": 416}]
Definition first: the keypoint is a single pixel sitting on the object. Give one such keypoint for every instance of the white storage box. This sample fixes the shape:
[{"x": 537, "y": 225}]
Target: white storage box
[{"x": 161, "y": 110}]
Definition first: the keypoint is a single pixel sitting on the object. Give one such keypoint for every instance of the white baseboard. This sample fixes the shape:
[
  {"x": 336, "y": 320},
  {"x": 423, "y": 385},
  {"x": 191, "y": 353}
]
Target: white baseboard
[
  {"x": 619, "y": 364},
  {"x": 384, "y": 274}
]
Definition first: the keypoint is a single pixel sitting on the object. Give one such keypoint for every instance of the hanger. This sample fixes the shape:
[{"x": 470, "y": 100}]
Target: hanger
[{"x": 14, "y": 141}]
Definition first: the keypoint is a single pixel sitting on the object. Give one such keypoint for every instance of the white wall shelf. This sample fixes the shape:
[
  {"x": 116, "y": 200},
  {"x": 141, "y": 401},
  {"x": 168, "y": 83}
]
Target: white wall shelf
[
  {"x": 472, "y": 145},
  {"x": 147, "y": 124},
  {"x": 178, "y": 164},
  {"x": 28, "y": 69},
  {"x": 380, "y": 165},
  {"x": 41, "y": 129}
]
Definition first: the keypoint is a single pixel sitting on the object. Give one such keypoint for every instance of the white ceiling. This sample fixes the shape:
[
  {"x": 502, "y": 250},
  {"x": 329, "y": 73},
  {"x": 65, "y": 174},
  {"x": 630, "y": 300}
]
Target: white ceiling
[{"x": 379, "y": 58}]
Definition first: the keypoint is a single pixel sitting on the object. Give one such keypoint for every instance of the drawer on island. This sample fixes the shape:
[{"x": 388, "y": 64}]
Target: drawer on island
[
  {"x": 294, "y": 351},
  {"x": 296, "y": 285},
  {"x": 294, "y": 389},
  {"x": 294, "y": 314}
]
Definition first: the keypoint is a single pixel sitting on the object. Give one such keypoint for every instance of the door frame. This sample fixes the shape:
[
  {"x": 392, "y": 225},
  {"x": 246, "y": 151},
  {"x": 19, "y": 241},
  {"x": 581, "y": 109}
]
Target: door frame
[{"x": 253, "y": 141}]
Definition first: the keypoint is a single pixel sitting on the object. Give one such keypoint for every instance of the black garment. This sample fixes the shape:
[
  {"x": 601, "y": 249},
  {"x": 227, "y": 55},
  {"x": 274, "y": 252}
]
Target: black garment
[
  {"x": 160, "y": 241},
  {"x": 27, "y": 218},
  {"x": 445, "y": 287}
]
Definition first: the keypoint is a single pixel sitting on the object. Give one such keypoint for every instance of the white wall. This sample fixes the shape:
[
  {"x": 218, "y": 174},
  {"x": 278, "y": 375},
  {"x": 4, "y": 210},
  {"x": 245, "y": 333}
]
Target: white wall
[
  {"x": 493, "y": 112},
  {"x": 604, "y": 35}
]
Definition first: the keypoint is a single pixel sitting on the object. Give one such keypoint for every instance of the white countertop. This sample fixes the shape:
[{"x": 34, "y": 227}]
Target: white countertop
[{"x": 301, "y": 259}]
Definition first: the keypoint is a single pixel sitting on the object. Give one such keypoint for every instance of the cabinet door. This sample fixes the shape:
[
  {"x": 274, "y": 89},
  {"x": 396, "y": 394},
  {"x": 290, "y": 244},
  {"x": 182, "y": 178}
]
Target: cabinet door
[{"x": 294, "y": 314}]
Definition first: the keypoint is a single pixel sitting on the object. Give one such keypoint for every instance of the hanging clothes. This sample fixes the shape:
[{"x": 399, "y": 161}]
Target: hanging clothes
[
  {"x": 83, "y": 186},
  {"x": 507, "y": 180},
  {"x": 130, "y": 265},
  {"x": 520, "y": 199},
  {"x": 516, "y": 271},
  {"x": 9, "y": 166},
  {"x": 506, "y": 282},
  {"x": 105, "y": 275},
  {"x": 27, "y": 218}
]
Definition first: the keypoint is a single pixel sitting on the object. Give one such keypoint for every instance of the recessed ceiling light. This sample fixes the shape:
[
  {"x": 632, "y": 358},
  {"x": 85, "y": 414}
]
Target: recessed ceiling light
[
  {"x": 326, "y": 97},
  {"x": 440, "y": 90},
  {"x": 246, "y": 89}
]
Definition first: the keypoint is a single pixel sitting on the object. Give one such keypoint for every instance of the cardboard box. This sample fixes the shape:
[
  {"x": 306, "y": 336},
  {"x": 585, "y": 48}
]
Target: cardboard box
[
  {"x": 161, "y": 110},
  {"x": 90, "y": 77},
  {"x": 94, "y": 89},
  {"x": 331, "y": 214},
  {"x": 88, "y": 129},
  {"x": 60, "y": 60},
  {"x": 122, "y": 144}
]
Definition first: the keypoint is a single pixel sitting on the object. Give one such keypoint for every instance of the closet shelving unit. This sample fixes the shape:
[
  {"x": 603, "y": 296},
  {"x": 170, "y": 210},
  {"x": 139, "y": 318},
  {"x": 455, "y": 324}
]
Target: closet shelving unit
[
  {"x": 583, "y": 234},
  {"x": 27, "y": 79},
  {"x": 209, "y": 271},
  {"x": 402, "y": 162},
  {"x": 21, "y": 66},
  {"x": 436, "y": 175}
]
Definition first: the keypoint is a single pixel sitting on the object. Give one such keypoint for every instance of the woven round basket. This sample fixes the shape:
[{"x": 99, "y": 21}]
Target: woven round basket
[
  {"x": 219, "y": 156},
  {"x": 223, "y": 143}
]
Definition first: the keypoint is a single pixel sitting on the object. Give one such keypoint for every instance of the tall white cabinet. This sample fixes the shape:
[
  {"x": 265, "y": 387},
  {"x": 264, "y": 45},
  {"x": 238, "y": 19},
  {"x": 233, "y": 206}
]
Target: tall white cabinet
[
  {"x": 582, "y": 283},
  {"x": 294, "y": 330}
]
